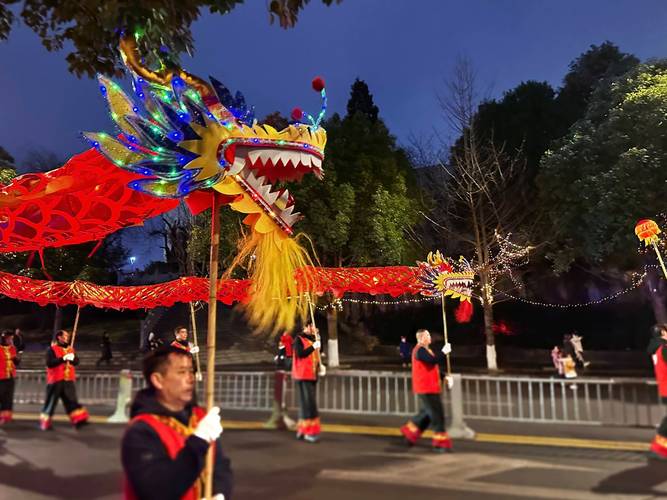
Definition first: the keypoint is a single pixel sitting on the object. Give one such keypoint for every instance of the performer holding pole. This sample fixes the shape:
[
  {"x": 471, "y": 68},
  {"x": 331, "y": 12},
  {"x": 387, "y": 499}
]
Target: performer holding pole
[
  {"x": 166, "y": 443},
  {"x": 60, "y": 377},
  {"x": 9, "y": 360},
  {"x": 305, "y": 369},
  {"x": 658, "y": 351},
  {"x": 426, "y": 384}
]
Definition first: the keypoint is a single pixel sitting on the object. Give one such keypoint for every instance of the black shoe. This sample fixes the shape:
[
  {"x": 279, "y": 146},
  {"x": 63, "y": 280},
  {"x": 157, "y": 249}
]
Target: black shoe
[
  {"x": 81, "y": 424},
  {"x": 436, "y": 449},
  {"x": 312, "y": 439},
  {"x": 299, "y": 436}
]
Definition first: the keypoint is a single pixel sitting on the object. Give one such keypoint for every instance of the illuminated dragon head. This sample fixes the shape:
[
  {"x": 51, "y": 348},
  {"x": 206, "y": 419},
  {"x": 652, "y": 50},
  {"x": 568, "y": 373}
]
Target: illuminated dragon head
[
  {"x": 185, "y": 134},
  {"x": 440, "y": 276}
]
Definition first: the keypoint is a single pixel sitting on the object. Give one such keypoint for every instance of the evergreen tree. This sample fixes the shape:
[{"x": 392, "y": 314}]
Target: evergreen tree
[{"x": 361, "y": 101}]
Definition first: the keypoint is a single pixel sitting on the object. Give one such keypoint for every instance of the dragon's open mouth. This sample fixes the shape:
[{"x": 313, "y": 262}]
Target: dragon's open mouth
[
  {"x": 258, "y": 169},
  {"x": 462, "y": 286}
]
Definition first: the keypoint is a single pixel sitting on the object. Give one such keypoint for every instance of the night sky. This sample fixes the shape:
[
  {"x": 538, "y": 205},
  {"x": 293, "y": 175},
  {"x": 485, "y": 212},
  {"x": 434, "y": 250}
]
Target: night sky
[{"x": 403, "y": 49}]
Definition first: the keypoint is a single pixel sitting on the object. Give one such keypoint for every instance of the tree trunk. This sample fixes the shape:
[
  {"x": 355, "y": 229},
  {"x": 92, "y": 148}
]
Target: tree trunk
[
  {"x": 332, "y": 344},
  {"x": 657, "y": 294},
  {"x": 487, "y": 305}
]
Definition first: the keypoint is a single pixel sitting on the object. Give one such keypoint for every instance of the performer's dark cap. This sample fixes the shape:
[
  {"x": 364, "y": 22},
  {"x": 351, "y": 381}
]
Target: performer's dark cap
[{"x": 7, "y": 333}]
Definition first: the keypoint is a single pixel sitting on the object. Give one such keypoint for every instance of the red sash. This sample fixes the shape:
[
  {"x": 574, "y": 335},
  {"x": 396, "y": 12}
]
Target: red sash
[
  {"x": 64, "y": 371},
  {"x": 425, "y": 376},
  {"x": 305, "y": 368},
  {"x": 173, "y": 434},
  {"x": 7, "y": 367},
  {"x": 660, "y": 371}
]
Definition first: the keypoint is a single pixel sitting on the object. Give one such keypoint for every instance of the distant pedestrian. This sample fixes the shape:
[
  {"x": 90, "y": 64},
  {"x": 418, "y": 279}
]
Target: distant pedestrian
[
  {"x": 426, "y": 384},
  {"x": 567, "y": 358},
  {"x": 60, "y": 377},
  {"x": 19, "y": 343},
  {"x": 556, "y": 359},
  {"x": 9, "y": 360},
  {"x": 405, "y": 352},
  {"x": 105, "y": 350},
  {"x": 154, "y": 341},
  {"x": 658, "y": 350},
  {"x": 578, "y": 347}
]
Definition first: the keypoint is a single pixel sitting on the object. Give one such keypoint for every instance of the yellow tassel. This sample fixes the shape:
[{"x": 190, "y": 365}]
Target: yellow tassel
[{"x": 276, "y": 300}]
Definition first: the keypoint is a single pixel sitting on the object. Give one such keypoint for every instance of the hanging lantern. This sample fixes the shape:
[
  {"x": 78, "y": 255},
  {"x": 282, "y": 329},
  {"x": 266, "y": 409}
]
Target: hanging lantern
[{"x": 647, "y": 231}]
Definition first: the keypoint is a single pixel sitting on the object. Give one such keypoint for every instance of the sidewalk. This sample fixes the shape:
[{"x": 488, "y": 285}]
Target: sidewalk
[{"x": 516, "y": 433}]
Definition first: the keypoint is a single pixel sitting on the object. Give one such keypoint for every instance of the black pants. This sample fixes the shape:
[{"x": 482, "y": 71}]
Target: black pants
[
  {"x": 6, "y": 394},
  {"x": 64, "y": 390},
  {"x": 430, "y": 413},
  {"x": 307, "y": 399}
]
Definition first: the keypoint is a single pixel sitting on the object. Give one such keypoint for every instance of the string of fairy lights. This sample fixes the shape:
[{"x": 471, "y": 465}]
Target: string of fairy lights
[{"x": 508, "y": 257}]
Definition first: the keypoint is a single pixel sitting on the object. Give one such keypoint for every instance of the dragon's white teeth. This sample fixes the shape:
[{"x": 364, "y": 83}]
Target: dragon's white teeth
[
  {"x": 238, "y": 165},
  {"x": 254, "y": 155},
  {"x": 267, "y": 155},
  {"x": 316, "y": 161},
  {"x": 270, "y": 197},
  {"x": 291, "y": 218},
  {"x": 261, "y": 181},
  {"x": 305, "y": 159}
]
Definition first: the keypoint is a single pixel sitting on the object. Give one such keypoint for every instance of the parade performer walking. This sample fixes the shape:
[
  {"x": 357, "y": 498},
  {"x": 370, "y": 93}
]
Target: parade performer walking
[
  {"x": 658, "y": 350},
  {"x": 426, "y": 383},
  {"x": 164, "y": 448},
  {"x": 305, "y": 369},
  {"x": 181, "y": 341},
  {"x": 8, "y": 361},
  {"x": 60, "y": 377}
]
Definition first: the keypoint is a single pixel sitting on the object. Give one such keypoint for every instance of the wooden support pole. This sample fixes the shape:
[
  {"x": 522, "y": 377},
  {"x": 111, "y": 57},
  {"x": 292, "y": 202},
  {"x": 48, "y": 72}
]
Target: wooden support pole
[
  {"x": 210, "y": 337},
  {"x": 76, "y": 325},
  {"x": 193, "y": 322},
  {"x": 444, "y": 324}
]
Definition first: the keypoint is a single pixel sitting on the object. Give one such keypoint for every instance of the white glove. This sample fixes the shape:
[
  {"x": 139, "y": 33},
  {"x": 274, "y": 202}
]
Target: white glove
[
  {"x": 210, "y": 427},
  {"x": 317, "y": 344},
  {"x": 194, "y": 349},
  {"x": 450, "y": 382},
  {"x": 199, "y": 377},
  {"x": 69, "y": 356},
  {"x": 447, "y": 348}
]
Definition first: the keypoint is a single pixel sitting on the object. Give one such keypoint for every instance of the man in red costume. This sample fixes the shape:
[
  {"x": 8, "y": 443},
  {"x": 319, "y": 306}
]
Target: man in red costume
[
  {"x": 8, "y": 361},
  {"x": 164, "y": 448},
  {"x": 658, "y": 350},
  {"x": 426, "y": 383},
  {"x": 305, "y": 368},
  {"x": 60, "y": 377},
  {"x": 181, "y": 341}
]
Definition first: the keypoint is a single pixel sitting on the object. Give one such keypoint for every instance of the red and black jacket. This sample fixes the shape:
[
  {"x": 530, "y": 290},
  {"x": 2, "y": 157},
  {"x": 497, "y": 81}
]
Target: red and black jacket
[
  {"x": 57, "y": 369},
  {"x": 425, "y": 371},
  {"x": 305, "y": 362},
  {"x": 161, "y": 457}
]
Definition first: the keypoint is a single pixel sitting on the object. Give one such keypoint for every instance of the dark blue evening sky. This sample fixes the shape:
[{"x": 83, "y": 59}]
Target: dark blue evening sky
[{"x": 403, "y": 49}]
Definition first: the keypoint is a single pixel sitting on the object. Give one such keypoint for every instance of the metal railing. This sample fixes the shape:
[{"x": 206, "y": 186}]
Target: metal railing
[{"x": 630, "y": 402}]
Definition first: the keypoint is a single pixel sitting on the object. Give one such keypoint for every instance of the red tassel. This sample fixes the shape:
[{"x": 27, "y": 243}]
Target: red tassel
[{"x": 463, "y": 313}]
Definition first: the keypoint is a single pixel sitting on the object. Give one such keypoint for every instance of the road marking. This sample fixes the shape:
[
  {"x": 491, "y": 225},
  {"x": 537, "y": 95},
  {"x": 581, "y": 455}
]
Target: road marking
[{"x": 368, "y": 430}]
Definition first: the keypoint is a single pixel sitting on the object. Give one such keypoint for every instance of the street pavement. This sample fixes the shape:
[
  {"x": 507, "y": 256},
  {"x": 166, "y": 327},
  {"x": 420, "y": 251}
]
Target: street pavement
[{"x": 354, "y": 460}]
